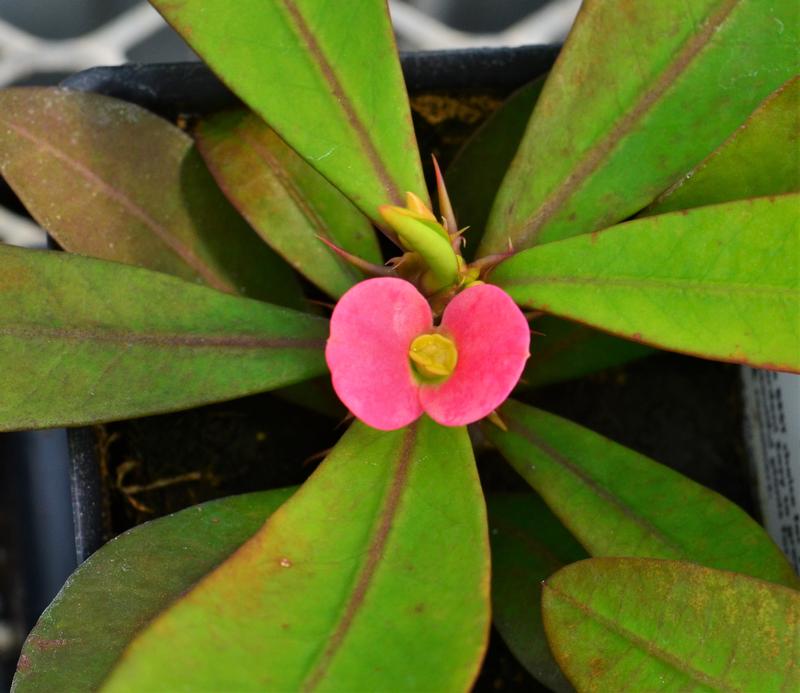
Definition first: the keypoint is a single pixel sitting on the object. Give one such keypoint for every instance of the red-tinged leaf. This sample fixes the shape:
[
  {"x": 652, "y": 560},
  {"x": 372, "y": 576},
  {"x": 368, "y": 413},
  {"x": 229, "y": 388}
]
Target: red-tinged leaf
[
  {"x": 528, "y": 545},
  {"x": 325, "y": 76},
  {"x": 564, "y": 350},
  {"x": 647, "y": 625},
  {"x": 617, "y": 502},
  {"x": 85, "y": 340},
  {"x": 721, "y": 282},
  {"x": 374, "y": 576},
  {"x": 126, "y": 584},
  {"x": 640, "y": 93},
  {"x": 285, "y": 200},
  {"x": 109, "y": 179},
  {"x": 761, "y": 158},
  {"x": 477, "y": 171}
]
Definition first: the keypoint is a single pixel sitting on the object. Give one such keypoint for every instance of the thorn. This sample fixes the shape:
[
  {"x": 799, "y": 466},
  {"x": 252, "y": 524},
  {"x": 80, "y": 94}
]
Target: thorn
[
  {"x": 457, "y": 239},
  {"x": 368, "y": 268},
  {"x": 321, "y": 455},
  {"x": 346, "y": 420},
  {"x": 494, "y": 417},
  {"x": 487, "y": 262},
  {"x": 539, "y": 334},
  {"x": 408, "y": 257},
  {"x": 324, "y": 304},
  {"x": 534, "y": 314},
  {"x": 445, "y": 208}
]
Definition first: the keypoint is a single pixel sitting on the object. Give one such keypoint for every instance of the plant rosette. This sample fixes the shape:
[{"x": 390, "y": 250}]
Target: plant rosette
[{"x": 643, "y": 195}]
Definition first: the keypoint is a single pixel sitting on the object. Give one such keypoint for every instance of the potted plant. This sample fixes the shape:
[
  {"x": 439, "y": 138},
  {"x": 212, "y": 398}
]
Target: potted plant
[{"x": 626, "y": 208}]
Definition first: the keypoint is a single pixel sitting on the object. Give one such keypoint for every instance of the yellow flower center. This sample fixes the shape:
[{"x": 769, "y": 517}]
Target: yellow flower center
[{"x": 433, "y": 356}]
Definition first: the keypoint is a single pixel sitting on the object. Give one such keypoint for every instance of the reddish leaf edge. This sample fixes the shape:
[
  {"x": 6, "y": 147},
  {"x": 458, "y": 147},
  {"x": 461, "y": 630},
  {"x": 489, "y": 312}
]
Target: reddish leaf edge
[{"x": 637, "y": 337}]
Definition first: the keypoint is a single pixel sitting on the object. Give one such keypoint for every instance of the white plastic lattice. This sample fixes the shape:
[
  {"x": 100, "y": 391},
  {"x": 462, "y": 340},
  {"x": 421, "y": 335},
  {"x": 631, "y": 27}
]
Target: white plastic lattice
[
  {"x": 23, "y": 55},
  {"x": 420, "y": 31}
]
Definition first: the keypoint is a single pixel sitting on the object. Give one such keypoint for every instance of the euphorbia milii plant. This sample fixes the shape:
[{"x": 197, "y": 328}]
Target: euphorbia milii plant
[{"x": 642, "y": 195}]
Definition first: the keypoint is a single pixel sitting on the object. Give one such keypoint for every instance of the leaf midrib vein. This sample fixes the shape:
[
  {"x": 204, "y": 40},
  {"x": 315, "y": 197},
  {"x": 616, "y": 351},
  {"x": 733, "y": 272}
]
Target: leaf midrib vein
[
  {"x": 520, "y": 429},
  {"x": 314, "y": 49},
  {"x": 596, "y": 155},
  {"x": 301, "y": 202},
  {"x": 644, "y": 645},
  {"x": 192, "y": 341},
  {"x": 673, "y": 284},
  {"x": 375, "y": 553},
  {"x": 183, "y": 251}
]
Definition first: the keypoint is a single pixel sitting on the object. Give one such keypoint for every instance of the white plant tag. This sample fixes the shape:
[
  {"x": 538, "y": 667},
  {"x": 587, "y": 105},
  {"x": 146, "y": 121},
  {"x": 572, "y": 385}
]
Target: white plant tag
[{"x": 772, "y": 431}]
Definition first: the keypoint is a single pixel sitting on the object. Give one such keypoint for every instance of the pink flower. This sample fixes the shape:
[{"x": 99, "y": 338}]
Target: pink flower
[{"x": 389, "y": 363}]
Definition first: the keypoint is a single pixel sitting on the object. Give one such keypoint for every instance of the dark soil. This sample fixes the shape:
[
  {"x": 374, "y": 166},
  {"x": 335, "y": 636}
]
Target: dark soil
[{"x": 160, "y": 464}]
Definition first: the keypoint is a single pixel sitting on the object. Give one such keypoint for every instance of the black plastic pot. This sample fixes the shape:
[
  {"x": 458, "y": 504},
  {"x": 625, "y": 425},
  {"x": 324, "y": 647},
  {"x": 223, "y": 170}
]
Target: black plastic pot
[
  {"x": 191, "y": 89},
  {"x": 36, "y": 533}
]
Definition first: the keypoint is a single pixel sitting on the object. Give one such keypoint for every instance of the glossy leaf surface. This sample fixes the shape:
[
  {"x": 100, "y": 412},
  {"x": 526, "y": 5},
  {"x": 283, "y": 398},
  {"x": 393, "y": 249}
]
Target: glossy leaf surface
[
  {"x": 374, "y": 576},
  {"x": 109, "y": 179},
  {"x": 617, "y": 502},
  {"x": 721, "y": 282},
  {"x": 84, "y": 340},
  {"x": 477, "y": 171},
  {"x": 127, "y": 583},
  {"x": 761, "y": 158},
  {"x": 647, "y": 625},
  {"x": 285, "y": 200},
  {"x": 325, "y": 76},
  {"x": 528, "y": 545},
  {"x": 564, "y": 350},
  {"x": 639, "y": 95}
]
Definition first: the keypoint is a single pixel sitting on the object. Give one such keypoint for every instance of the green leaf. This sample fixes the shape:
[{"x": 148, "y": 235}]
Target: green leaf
[
  {"x": 374, "y": 576},
  {"x": 721, "y": 282},
  {"x": 761, "y": 158},
  {"x": 647, "y": 625},
  {"x": 564, "y": 350},
  {"x": 475, "y": 174},
  {"x": 84, "y": 340},
  {"x": 325, "y": 76},
  {"x": 640, "y": 94},
  {"x": 127, "y": 583},
  {"x": 528, "y": 545},
  {"x": 109, "y": 179},
  {"x": 285, "y": 200},
  {"x": 620, "y": 503}
]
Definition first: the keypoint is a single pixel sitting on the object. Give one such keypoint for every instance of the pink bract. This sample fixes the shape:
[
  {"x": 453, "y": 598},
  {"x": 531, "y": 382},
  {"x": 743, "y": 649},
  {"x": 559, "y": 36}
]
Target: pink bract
[{"x": 372, "y": 328}]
